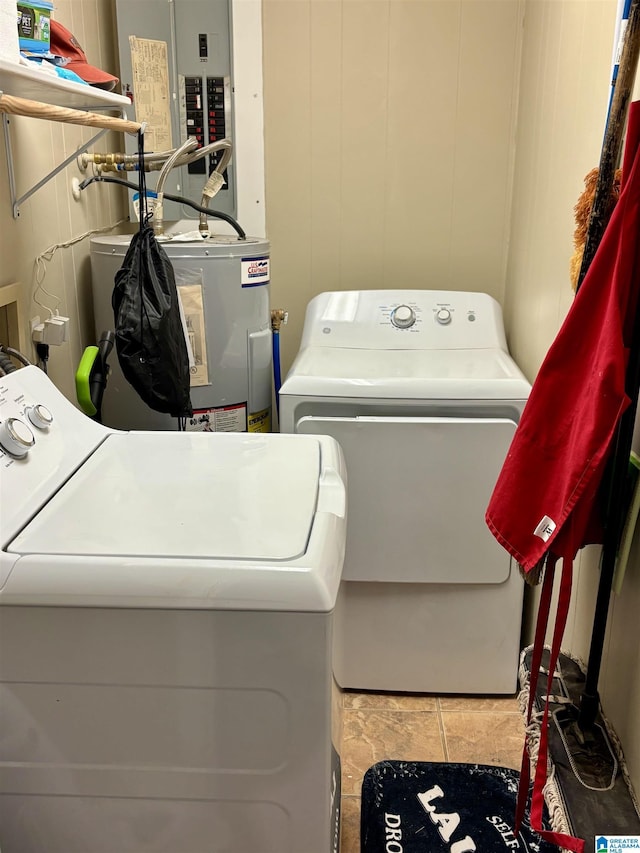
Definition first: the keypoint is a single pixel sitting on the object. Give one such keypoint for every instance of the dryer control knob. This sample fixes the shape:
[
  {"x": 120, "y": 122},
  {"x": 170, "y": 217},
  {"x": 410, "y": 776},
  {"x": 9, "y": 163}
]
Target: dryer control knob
[
  {"x": 16, "y": 437},
  {"x": 403, "y": 317},
  {"x": 443, "y": 316},
  {"x": 39, "y": 416}
]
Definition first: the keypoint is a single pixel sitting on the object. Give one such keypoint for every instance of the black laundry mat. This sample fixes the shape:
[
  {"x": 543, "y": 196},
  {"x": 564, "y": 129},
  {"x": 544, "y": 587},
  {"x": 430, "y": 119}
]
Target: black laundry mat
[
  {"x": 588, "y": 794},
  {"x": 427, "y": 807}
]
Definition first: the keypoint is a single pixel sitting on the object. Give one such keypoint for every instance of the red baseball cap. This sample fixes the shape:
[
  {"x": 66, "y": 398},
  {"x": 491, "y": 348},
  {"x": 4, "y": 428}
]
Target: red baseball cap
[{"x": 64, "y": 44}]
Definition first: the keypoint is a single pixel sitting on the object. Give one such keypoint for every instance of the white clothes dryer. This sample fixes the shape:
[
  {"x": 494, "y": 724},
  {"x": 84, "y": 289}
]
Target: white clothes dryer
[
  {"x": 420, "y": 391},
  {"x": 166, "y": 615}
]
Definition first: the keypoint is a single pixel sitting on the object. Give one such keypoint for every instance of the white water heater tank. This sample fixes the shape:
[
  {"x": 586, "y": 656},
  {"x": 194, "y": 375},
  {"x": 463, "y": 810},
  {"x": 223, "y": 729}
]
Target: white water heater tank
[{"x": 223, "y": 283}]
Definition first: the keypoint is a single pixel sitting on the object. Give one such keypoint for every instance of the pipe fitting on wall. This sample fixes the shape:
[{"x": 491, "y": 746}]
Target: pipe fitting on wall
[{"x": 279, "y": 317}]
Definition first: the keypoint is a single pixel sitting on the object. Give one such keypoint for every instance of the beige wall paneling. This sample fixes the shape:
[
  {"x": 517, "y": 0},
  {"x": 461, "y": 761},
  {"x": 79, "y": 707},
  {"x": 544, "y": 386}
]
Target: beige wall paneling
[
  {"x": 327, "y": 236},
  {"x": 563, "y": 97},
  {"x": 484, "y": 139},
  {"x": 363, "y": 144},
  {"x": 16, "y": 249},
  {"x": 420, "y": 165},
  {"x": 287, "y": 90},
  {"x": 400, "y": 116},
  {"x": 583, "y": 601}
]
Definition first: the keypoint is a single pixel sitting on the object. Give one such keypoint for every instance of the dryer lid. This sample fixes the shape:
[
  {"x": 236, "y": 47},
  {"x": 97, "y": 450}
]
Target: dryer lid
[{"x": 458, "y": 374}]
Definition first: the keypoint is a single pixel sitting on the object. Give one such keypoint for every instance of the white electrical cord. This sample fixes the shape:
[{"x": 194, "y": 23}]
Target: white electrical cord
[
  {"x": 40, "y": 265},
  {"x": 215, "y": 183}
]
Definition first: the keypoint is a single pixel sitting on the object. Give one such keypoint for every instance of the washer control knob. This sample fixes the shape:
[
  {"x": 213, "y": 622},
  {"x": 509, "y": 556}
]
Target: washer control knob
[
  {"x": 39, "y": 416},
  {"x": 443, "y": 316},
  {"x": 16, "y": 437},
  {"x": 403, "y": 317}
]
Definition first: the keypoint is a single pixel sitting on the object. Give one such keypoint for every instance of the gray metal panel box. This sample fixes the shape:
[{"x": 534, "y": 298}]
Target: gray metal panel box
[{"x": 198, "y": 38}]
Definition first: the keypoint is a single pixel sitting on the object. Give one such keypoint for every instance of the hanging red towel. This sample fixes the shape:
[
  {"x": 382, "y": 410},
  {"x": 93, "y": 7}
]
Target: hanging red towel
[
  {"x": 554, "y": 464},
  {"x": 545, "y": 502}
]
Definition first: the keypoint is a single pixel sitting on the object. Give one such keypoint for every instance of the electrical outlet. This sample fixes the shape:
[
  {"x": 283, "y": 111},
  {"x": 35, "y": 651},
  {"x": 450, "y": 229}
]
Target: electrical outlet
[
  {"x": 37, "y": 330},
  {"x": 54, "y": 331}
]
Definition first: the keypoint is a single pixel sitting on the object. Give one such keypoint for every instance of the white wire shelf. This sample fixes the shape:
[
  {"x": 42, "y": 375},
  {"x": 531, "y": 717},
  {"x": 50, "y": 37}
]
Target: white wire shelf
[
  {"x": 47, "y": 93},
  {"x": 35, "y": 85}
]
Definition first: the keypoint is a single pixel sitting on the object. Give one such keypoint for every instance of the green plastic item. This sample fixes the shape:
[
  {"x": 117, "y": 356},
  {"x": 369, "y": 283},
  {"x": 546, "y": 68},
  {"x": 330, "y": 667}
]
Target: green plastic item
[{"x": 83, "y": 375}]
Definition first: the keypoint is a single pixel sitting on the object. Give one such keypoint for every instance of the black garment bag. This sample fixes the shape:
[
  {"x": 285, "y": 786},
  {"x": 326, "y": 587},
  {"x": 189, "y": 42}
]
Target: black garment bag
[{"x": 150, "y": 339}]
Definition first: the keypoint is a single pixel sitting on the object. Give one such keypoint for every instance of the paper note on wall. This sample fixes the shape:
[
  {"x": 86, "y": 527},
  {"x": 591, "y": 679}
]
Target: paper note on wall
[
  {"x": 151, "y": 94},
  {"x": 9, "y": 48}
]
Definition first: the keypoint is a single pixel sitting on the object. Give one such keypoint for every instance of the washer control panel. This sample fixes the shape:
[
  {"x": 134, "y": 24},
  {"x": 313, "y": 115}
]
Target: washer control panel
[
  {"x": 404, "y": 319},
  {"x": 18, "y": 432},
  {"x": 16, "y": 437},
  {"x": 44, "y": 438},
  {"x": 39, "y": 416}
]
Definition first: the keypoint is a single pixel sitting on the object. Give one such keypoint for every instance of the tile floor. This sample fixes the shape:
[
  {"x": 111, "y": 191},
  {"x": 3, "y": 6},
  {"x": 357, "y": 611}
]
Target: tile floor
[{"x": 486, "y": 730}]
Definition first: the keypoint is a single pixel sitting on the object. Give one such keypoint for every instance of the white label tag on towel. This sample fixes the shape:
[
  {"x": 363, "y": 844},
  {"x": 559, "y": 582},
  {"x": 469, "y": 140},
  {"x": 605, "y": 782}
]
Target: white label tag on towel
[{"x": 545, "y": 528}]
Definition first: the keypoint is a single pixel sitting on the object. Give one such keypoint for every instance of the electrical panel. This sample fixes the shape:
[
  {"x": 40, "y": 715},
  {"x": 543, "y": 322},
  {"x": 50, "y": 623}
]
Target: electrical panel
[{"x": 175, "y": 65}]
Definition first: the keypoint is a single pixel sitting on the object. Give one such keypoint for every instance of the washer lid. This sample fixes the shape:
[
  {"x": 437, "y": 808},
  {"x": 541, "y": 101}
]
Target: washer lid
[
  {"x": 460, "y": 374},
  {"x": 170, "y": 495}
]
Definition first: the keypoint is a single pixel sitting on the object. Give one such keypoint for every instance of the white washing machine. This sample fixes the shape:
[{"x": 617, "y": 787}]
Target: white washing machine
[
  {"x": 166, "y": 612},
  {"x": 420, "y": 391}
]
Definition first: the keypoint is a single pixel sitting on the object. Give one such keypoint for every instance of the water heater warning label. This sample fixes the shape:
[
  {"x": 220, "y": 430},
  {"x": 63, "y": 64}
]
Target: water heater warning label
[
  {"x": 220, "y": 419},
  {"x": 260, "y": 421},
  {"x": 255, "y": 271}
]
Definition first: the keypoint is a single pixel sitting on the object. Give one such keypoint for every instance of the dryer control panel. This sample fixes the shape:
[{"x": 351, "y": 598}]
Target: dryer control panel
[{"x": 404, "y": 319}]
